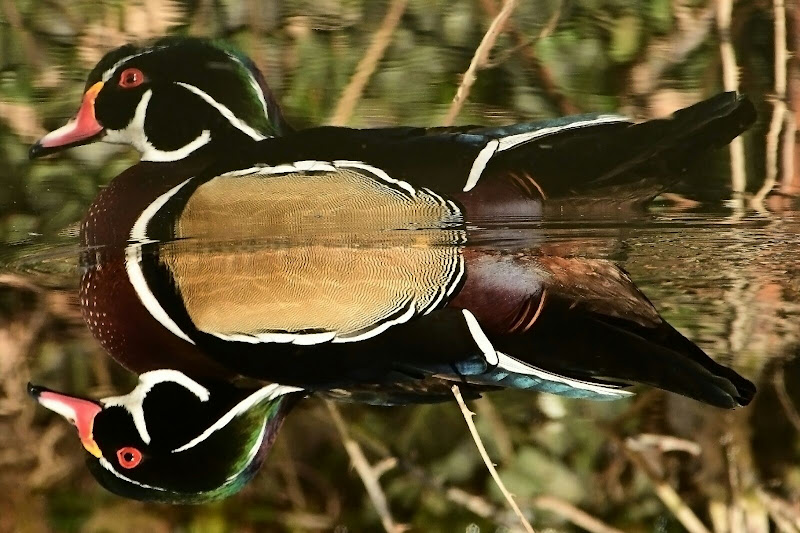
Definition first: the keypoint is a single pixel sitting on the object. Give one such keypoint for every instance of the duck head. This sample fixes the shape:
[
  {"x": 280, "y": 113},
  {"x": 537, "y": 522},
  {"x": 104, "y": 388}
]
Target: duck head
[
  {"x": 173, "y": 439},
  {"x": 169, "y": 100}
]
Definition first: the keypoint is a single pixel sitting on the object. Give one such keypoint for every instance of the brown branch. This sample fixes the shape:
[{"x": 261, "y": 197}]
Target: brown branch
[
  {"x": 779, "y": 109},
  {"x": 366, "y": 67},
  {"x": 369, "y": 476},
  {"x": 487, "y": 460},
  {"x": 478, "y": 60},
  {"x": 577, "y": 516},
  {"x": 668, "y": 495},
  {"x": 541, "y": 74},
  {"x": 730, "y": 79}
]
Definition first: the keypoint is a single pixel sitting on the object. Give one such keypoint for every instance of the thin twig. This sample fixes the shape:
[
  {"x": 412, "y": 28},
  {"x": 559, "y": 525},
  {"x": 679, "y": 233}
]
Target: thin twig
[
  {"x": 779, "y": 105},
  {"x": 365, "y": 471},
  {"x": 366, "y": 67},
  {"x": 478, "y": 60},
  {"x": 730, "y": 81},
  {"x": 542, "y": 75},
  {"x": 577, "y": 516},
  {"x": 482, "y": 450},
  {"x": 668, "y": 495}
]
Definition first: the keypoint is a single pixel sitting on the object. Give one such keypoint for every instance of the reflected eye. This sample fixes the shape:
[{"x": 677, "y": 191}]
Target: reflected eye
[
  {"x": 130, "y": 78},
  {"x": 129, "y": 457}
]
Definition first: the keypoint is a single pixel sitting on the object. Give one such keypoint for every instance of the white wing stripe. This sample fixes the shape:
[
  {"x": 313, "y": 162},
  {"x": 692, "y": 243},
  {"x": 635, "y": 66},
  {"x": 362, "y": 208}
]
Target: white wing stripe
[{"x": 480, "y": 338}]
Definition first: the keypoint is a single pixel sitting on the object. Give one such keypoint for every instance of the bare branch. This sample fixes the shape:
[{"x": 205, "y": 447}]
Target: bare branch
[
  {"x": 366, "y": 472},
  {"x": 366, "y": 67},
  {"x": 730, "y": 80},
  {"x": 779, "y": 109},
  {"x": 577, "y": 516},
  {"x": 487, "y": 460},
  {"x": 478, "y": 60}
]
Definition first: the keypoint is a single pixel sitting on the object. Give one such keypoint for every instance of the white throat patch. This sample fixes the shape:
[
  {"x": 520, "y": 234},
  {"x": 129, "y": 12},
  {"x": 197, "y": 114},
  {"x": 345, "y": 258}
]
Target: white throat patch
[
  {"x": 134, "y": 135},
  {"x": 132, "y": 402}
]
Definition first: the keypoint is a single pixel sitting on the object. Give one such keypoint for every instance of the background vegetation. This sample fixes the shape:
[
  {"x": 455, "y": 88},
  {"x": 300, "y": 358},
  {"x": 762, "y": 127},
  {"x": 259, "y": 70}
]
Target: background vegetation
[{"x": 652, "y": 463}]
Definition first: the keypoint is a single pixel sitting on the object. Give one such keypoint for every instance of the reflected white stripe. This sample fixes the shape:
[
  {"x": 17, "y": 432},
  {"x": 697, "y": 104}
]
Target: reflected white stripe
[
  {"x": 133, "y": 258},
  {"x": 268, "y": 393},
  {"x": 516, "y": 366}
]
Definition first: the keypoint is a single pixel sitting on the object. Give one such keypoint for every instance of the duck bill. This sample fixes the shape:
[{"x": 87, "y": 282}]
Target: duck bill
[
  {"x": 78, "y": 411},
  {"x": 82, "y": 129}
]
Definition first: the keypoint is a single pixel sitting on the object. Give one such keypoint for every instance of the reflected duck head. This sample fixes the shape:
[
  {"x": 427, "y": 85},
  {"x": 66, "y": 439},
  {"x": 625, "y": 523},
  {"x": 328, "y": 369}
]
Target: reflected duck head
[
  {"x": 170, "y": 99},
  {"x": 173, "y": 439}
]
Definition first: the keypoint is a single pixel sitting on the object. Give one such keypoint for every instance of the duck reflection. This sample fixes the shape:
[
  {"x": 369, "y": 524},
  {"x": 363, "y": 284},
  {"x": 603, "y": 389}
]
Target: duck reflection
[
  {"x": 173, "y": 439},
  {"x": 571, "y": 326}
]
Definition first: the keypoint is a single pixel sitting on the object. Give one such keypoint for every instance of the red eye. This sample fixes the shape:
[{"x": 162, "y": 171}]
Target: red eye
[
  {"x": 129, "y": 457},
  {"x": 130, "y": 78}
]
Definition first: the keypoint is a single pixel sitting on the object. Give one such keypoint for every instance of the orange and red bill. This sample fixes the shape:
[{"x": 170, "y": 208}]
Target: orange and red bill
[
  {"x": 78, "y": 411},
  {"x": 82, "y": 129}
]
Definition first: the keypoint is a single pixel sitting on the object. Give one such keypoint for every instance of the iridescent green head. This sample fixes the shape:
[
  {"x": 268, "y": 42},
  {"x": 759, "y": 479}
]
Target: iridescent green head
[
  {"x": 170, "y": 99},
  {"x": 173, "y": 439}
]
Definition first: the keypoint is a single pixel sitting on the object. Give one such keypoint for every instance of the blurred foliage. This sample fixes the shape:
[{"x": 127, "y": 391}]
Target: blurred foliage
[{"x": 640, "y": 57}]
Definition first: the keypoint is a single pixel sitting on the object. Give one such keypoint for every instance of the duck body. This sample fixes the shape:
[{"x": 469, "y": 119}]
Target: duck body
[
  {"x": 351, "y": 274},
  {"x": 340, "y": 261}
]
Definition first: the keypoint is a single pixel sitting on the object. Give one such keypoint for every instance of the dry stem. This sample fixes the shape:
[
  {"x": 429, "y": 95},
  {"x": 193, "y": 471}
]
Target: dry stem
[
  {"x": 577, "y": 516},
  {"x": 478, "y": 59},
  {"x": 730, "y": 80},
  {"x": 668, "y": 495},
  {"x": 487, "y": 460},
  {"x": 779, "y": 105},
  {"x": 369, "y": 476},
  {"x": 366, "y": 67}
]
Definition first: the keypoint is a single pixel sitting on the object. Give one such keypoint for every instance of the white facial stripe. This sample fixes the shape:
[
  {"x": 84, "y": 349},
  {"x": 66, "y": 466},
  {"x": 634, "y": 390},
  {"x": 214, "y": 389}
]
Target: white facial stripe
[
  {"x": 253, "y": 83},
  {"x": 151, "y": 153},
  {"x": 108, "y": 466},
  {"x": 134, "y": 135},
  {"x": 132, "y": 402},
  {"x": 480, "y": 338},
  {"x": 108, "y": 74},
  {"x": 506, "y": 143},
  {"x": 518, "y": 367},
  {"x": 267, "y": 393},
  {"x": 224, "y": 111},
  {"x": 133, "y": 258},
  {"x": 154, "y": 377}
]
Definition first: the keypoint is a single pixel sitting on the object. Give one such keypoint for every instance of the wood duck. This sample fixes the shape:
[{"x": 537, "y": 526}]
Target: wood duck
[
  {"x": 175, "y": 440},
  {"x": 336, "y": 260}
]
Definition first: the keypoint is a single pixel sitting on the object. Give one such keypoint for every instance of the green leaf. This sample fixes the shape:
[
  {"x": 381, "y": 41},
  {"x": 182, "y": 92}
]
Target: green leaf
[{"x": 625, "y": 38}]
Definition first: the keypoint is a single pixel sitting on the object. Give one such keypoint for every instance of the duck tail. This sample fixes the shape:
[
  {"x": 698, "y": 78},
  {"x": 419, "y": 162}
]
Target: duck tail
[
  {"x": 619, "y": 159},
  {"x": 580, "y": 327},
  {"x": 578, "y": 343}
]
